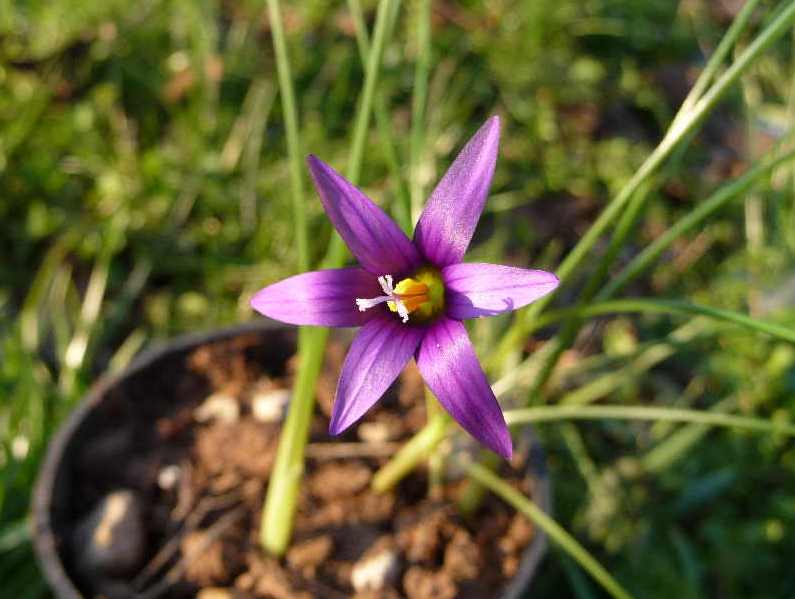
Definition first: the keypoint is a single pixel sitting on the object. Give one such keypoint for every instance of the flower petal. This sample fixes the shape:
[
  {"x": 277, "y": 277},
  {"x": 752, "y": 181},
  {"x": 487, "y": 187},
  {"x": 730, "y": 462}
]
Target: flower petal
[
  {"x": 322, "y": 297},
  {"x": 448, "y": 363},
  {"x": 377, "y": 355},
  {"x": 448, "y": 222},
  {"x": 474, "y": 290},
  {"x": 377, "y": 242}
]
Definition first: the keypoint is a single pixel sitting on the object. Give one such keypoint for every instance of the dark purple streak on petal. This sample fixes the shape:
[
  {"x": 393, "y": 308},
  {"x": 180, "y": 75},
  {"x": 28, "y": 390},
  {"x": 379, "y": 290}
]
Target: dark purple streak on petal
[
  {"x": 448, "y": 363},
  {"x": 377, "y": 355},
  {"x": 448, "y": 222},
  {"x": 322, "y": 297},
  {"x": 478, "y": 289},
  {"x": 377, "y": 242}
]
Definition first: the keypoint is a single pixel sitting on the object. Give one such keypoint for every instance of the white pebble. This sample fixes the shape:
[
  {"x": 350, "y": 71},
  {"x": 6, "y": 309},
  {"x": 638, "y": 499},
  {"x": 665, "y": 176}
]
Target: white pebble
[
  {"x": 269, "y": 406},
  {"x": 168, "y": 477},
  {"x": 219, "y": 406},
  {"x": 373, "y": 573}
]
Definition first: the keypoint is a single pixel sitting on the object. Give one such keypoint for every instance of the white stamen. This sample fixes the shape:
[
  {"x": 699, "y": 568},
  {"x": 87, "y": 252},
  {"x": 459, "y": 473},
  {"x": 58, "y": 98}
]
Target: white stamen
[{"x": 386, "y": 285}]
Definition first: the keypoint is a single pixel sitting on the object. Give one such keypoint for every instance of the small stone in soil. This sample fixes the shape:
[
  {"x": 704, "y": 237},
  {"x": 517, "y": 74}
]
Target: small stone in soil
[
  {"x": 376, "y": 570},
  {"x": 110, "y": 540},
  {"x": 218, "y": 593},
  {"x": 518, "y": 535},
  {"x": 168, "y": 477},
  {"x": 207, "y": 561},
  {"x": 269, "y": 406},
  {"x": 265, "y": 577},
  {"x": 381, "y": 430},
  {"x": 462, "y": 557},
  {"x": 306, "y": 556},
  {"x": 420, "y": 538},
  {"x": 339, "y": 479},
  {"x": 220, "y": 407},
  {"x": 420, "y": 583}
]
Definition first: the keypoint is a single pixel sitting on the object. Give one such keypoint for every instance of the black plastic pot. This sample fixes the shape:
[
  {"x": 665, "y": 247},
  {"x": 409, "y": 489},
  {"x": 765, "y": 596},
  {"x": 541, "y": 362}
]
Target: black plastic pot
[{"x": 58, "y": 499}]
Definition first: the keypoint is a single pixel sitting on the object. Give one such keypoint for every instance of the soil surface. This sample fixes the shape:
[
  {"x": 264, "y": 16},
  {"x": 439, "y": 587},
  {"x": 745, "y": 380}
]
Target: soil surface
[{"x": 194, "y": 444}]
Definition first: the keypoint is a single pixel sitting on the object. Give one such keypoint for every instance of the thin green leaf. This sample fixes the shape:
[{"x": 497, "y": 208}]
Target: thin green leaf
[
  {"x": 554, "y": 530},
  {"x": 568, "y": 412}
]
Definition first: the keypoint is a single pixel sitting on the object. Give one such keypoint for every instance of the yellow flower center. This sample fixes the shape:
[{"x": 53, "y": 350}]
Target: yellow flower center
[{"x": 420, "y": 295}]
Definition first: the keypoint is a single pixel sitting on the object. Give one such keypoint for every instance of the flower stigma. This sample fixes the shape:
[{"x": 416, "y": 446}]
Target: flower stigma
[{"x": 421, "y": 295}]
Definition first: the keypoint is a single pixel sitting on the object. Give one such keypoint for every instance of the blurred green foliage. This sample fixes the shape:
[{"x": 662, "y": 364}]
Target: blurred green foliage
[{"x": 143, "y": 182}]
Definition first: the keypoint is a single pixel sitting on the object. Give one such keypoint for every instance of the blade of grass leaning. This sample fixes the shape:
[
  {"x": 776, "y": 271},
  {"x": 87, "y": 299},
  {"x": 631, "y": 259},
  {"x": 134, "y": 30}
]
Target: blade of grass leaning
[
  {"x": 678, "y": 130},
  {"x": 336, "y": 252},
  {"x": 417, "y": 449},
  {"x": 294, "y": 148},
  {"x": 722, "y": 50},
  {"x": 554, "y": 531},
  {"x": 402, "y": 208},
  {"x": 692, "y": 219},
  {"x": 418, "y": 104},
  {"x": 282, "y": 496},
  {"x": 676, "y": 445},
  {"x": 652, "y": 252},
  {"x": 657, "y": 306},
  {"x": 74, "y": 356},
  {"x": 538, "y": 414}
]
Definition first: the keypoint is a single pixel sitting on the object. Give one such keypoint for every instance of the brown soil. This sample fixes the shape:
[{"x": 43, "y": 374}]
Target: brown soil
[{"x": 199, "y": 458}]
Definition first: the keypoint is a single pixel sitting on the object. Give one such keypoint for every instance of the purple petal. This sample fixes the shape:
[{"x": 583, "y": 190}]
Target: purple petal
[
  {"x": 451, "y": 370},
  {"x": 448, "y": 222},
  {"x": 376, "y": 241},
  {"x": 322, "y": 297},
  {"x": 377, "y": 355},
  {"x": 474, "y": 290}
]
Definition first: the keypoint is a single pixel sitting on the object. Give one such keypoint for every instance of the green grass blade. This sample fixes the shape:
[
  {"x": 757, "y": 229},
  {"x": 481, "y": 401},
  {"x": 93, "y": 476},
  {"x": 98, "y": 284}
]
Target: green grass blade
[
  {"x": 655, "y": 306},
  {"x": 692, "y": 219},
  {"x": 401, "y": 210},
  {"x": 554, "y": 531},
  {"x": 718, "y": 56},
  {"x": 418, "y": 104},
  {"x": 336, "y": 252},
  {"x": 676, "y": 133},
  {"x": 294, "y": 149},
  {"x": 567, "y": 412}
]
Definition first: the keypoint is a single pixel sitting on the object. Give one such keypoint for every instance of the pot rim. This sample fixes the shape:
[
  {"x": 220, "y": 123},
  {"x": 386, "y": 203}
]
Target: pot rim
[{"x": 44, "y": 540}]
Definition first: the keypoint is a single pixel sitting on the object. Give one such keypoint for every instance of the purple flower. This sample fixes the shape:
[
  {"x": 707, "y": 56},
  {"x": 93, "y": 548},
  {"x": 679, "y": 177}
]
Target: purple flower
[{"x": 410, "y": 297}]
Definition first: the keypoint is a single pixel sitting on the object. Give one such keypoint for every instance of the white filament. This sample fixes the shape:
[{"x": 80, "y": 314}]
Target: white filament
[{"x": 386, "y": 285}]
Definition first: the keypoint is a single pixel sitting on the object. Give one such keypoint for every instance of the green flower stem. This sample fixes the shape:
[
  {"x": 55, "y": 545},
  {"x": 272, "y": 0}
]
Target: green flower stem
[
  {"x": 412, "y": 453},
  {"x": 282, "y": 497},
  {"x": 554, "y": 531},
  {"x": 279, "y": 509},
  {"x": 436, "y": 460},
  {"x": 281, "y": 500},
  {"x": 572, "y": 412}
]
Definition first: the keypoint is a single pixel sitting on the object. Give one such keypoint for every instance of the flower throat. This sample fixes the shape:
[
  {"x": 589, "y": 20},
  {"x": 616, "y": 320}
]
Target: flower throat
[{"x": 419, "y": 297}]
